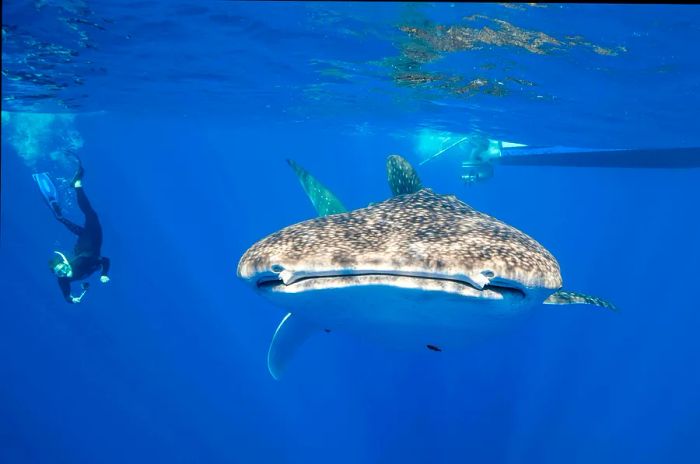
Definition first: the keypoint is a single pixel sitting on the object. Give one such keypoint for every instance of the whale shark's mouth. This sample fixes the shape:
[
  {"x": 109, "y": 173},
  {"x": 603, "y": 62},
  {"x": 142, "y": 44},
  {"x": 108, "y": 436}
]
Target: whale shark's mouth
[{"x": 427, "y": 283}]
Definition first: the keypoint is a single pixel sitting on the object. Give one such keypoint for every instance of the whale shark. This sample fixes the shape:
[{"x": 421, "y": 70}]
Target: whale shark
[{"x": 420, "y": 270}]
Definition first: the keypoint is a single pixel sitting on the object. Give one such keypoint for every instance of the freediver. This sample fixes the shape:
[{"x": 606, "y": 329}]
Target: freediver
[{"x": 87, "y": 257}]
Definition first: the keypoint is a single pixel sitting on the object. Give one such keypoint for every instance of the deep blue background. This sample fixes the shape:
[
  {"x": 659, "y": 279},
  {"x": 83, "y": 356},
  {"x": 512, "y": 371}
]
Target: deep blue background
[{"x": 166, "y": 363}]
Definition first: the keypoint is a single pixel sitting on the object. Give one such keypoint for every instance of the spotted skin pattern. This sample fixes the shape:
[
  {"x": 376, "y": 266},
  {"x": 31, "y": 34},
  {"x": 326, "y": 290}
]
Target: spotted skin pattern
[
  {"x": 323, "y": 199},
  {"x": 402, "y": 177},
  {"x": 563, "y": 297},
  {"x": 422, "y": 233}
]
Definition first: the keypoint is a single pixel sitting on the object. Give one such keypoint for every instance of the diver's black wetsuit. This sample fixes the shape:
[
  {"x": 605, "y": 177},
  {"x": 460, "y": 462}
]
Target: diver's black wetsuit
[{"x": 86, "y": 253}]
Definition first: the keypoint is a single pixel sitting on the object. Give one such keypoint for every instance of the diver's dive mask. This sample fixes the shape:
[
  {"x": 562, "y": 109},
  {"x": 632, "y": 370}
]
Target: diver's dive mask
[{"x": 62, "y": 268}]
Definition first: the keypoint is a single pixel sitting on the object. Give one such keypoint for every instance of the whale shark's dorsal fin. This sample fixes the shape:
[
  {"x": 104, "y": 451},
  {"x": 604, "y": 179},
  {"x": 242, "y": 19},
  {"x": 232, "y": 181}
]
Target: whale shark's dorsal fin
[
  {"x": 323, "y": 199},
  {"x": 563, "y": 297},
  {"x": 289, "y": 336},
  {"x": 402, "y": 177}
]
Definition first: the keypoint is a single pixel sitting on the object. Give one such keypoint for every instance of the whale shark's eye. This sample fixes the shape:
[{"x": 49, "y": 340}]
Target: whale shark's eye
[
  {"x": 487, "y": 273},
  {"x": 277, "y": 268}
]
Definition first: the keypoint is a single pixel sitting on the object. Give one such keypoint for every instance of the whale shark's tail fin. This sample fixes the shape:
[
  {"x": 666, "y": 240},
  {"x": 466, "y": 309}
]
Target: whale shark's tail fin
[
  {"x": 323, "y": 199},
  {"x": 402, "y": 177},
  {"x": 562, "y": 297}
]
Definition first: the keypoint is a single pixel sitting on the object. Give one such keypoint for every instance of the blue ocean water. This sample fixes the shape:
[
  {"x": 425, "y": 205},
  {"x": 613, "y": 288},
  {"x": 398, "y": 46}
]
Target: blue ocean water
[{"x": 184, "y": 113}]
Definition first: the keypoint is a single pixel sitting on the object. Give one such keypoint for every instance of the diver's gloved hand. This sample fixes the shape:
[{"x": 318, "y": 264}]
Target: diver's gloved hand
[
  {"x": 104, "y": 279},
  {"x": 76, "y": 299}
]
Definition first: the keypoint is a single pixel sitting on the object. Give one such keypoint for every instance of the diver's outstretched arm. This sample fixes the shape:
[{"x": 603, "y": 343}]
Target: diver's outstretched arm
[{"x": 64, "y": 284}]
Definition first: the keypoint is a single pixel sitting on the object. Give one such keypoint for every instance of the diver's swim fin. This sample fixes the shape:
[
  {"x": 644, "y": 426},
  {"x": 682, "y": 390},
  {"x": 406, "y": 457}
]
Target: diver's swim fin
[
  {"x": 46, "y": 186},
  {"x": 48, "y": 190}
]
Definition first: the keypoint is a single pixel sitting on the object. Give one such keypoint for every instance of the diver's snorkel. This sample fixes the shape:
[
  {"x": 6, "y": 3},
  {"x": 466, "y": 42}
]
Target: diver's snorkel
[{"x": 63, "y": 269}]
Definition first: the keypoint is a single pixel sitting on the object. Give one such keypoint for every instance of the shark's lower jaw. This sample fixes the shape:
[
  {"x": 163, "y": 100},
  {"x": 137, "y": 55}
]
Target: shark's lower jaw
[
  {"x": 398, "y": 310},
  {"x": 399, "y": 281}
]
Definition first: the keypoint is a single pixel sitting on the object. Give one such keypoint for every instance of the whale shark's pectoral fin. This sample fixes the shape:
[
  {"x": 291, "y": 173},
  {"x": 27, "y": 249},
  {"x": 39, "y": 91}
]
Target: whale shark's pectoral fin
[
  {"x": 402, "y": 177},
  {"x": 323, "y": 199},
  {"x": 562, "y": 297},
  {"x": 289, "y": 336}
]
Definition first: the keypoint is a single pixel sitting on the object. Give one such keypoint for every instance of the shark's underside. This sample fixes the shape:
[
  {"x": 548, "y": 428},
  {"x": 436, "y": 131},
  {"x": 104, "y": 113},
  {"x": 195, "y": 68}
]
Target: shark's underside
[{"x": 417, "y": 270}]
